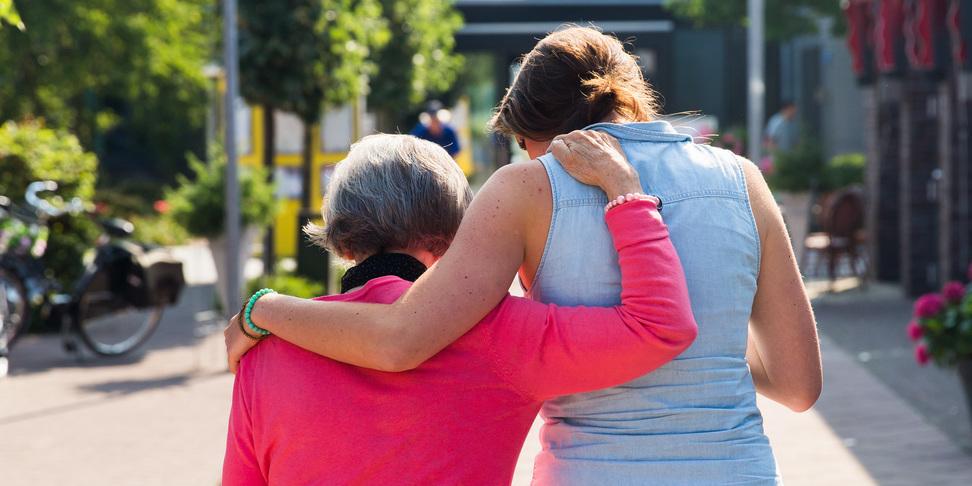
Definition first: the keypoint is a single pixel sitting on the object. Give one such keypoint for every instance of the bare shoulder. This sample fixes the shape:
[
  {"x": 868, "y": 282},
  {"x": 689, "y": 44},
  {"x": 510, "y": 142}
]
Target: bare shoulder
[
  {"x": 524, "y": 173},
  {"x": 765, "y": 209},
  {"x": 526, "y": 182}
]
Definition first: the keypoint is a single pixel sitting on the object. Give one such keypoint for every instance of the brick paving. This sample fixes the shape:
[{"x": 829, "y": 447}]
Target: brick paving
[{"x": 159, "y": 417}]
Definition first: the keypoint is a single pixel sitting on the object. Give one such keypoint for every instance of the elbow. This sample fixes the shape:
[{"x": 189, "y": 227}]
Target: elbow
[
  {"x": 394, "y": 360},
  {"x": 691, "y": 332},
  {"x": 399, "y": 352},
  {"x": 686, "y": 333},
  {"x": 805, "y": 397}
]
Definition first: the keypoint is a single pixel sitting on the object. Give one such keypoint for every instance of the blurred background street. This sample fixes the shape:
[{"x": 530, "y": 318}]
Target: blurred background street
[{"x": 133, "y": 128}]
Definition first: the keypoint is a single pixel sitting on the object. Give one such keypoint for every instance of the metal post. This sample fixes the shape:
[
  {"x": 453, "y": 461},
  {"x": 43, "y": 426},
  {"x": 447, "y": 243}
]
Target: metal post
[
  {"x": 231, "y": 67},
  {"x": 757, "y": 87}
]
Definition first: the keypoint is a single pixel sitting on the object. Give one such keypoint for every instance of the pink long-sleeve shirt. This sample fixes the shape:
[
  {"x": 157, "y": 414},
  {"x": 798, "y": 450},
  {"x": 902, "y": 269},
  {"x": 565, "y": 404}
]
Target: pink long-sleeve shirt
[{"x": 461, "y": 417}]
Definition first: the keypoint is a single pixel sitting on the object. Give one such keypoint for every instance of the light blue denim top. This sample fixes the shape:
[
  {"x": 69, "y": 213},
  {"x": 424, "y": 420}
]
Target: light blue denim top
[{"x": 693, "y": 421}]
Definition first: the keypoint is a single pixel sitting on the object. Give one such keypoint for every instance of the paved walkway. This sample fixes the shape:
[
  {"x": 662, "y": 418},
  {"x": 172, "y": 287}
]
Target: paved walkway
[
  {"x": 860, "y": 432},
  {"x": 160, "y": 417}
]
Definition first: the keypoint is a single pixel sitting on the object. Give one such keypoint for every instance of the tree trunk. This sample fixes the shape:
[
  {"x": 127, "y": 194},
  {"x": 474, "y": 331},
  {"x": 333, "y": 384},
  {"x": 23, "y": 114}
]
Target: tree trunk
[{"x": 269, "y": 149}]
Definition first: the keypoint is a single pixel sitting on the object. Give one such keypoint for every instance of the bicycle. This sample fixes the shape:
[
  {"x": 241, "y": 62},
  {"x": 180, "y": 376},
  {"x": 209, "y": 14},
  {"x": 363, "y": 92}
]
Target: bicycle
[{"x": 113, "y": 307}]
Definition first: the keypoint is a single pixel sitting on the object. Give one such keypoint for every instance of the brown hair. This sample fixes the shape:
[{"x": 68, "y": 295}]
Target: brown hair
[{"x": 572, "y": 78}]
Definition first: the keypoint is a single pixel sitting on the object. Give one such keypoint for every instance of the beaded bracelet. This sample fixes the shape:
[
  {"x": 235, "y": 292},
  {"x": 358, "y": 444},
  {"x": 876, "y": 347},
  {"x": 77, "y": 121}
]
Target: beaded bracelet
[
  {"x": 249, "y": 309},
  {"x": 239, "y": 322},
  {"x": 633, "y": 197}
]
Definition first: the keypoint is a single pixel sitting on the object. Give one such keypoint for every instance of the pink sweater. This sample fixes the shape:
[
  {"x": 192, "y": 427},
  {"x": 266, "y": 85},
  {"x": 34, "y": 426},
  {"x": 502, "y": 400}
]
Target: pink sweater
[{"x": 462, "y": 416}]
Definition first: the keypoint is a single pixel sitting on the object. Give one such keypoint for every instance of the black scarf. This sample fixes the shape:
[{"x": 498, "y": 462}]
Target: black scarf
[{"x": 381, "y": 265}]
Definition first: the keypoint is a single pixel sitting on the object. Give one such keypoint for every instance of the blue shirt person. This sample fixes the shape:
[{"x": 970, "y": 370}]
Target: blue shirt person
[{"x": 432, "y": 128}]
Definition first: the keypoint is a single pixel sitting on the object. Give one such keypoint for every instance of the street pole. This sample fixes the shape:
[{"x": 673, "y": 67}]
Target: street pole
[
  {"x": 231, "y": 68},
  {"x": 757, "y": 87}
]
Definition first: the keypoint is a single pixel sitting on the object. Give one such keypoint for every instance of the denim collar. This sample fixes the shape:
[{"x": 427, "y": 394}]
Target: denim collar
[{"x": 653, "y": 131}]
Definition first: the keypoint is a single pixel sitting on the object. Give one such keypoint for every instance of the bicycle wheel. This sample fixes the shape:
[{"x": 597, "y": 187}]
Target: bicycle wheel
[
  {"x": 14, "y": 309},
  {"x": 107, "y": 323}
]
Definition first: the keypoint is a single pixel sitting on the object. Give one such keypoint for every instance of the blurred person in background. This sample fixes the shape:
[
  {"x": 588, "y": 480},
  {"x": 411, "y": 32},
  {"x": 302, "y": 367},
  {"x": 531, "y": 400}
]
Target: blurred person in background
[
  {"x": 434, "y": 126},
  {"x": 782, "y": 130}
]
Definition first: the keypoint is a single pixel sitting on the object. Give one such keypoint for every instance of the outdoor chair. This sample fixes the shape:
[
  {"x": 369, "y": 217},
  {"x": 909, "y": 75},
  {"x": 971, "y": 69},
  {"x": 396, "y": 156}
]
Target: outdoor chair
[{"x": 842, "y": 235}]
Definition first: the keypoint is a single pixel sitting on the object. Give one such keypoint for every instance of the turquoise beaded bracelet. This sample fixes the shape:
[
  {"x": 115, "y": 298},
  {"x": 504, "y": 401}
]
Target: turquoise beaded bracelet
[{"x": 249, "y": 308}]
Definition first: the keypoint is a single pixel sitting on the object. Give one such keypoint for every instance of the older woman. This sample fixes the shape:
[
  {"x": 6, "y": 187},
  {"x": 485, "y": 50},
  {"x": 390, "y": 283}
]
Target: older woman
[
  {"x": 694, "y": 420},
  {"x": 394, "y": 206}
]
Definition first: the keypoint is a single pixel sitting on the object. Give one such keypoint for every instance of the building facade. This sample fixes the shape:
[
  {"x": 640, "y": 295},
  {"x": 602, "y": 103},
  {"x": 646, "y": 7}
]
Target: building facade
[{"x": 911, "y": 60}]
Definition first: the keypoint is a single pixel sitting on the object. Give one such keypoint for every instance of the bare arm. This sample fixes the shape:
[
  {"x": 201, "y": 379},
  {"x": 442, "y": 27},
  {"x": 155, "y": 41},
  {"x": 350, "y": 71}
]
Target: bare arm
[
  {"x": 783, "y": 351},
  {"x": 546, "y": 350},
  {"x": 453, "y": 295}
]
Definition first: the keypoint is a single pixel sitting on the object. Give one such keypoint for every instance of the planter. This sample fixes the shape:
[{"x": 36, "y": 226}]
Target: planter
[
  {"x": 217, "y": 246},
  {"x": 796, "y": 214},
  {"x": 965, "y": 374}
]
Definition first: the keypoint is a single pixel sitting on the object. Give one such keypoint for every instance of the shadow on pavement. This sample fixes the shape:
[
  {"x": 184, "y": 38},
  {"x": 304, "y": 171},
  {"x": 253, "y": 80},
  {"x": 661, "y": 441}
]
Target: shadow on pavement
[
  {"x": 37, "y": 353},
  {"x": 900, "y": 420}
]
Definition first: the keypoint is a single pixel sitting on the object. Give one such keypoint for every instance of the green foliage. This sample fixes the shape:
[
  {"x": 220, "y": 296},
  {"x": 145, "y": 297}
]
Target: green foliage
[
  {"x": 419, "y": 61},
  {"x": 784, "y": 18},
  {"x": 844, "y": 170},
  {"x": 286, "y": 284},
  {"x": 137, "y": 202},
  {"x": 198, "y": 204},
  {"x": 158, "y": 229},
  {"x": 800, "y": 169},
  {"x": 8, "y": 14},
  {"x": 297, "y": 55},
  {"x": 30, "y": 152},
  {"x": 90, "y": 65}
]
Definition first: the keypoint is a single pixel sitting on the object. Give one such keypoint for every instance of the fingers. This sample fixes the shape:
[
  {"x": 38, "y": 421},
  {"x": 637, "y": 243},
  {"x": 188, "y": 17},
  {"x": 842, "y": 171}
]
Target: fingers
[
  {"x": 560, "y": 149},
  {"x": 231, "y": 339}
]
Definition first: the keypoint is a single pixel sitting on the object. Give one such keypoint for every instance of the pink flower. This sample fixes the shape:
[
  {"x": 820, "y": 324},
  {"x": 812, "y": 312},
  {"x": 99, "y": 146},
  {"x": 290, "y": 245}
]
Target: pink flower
[
  {"x": 929, "y": 305},
  {"x": 914, "y": 330},
  {"x": 921, "y": 354},
  {"x": 953, "y": 292},
  {"x": 766, "y": 165},
  {"x": 161, "y": 206}
]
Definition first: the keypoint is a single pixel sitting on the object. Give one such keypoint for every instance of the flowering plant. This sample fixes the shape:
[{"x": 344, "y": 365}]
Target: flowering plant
[{"x": 942, "y": 325}]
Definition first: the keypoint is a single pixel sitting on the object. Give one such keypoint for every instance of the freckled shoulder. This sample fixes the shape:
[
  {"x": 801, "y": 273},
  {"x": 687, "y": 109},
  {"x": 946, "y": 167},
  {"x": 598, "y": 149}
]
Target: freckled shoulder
[{"x": 527, "y": 180}]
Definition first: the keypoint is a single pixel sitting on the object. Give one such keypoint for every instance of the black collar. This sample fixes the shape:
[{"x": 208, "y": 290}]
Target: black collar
[{"x": 382, "y": 265}]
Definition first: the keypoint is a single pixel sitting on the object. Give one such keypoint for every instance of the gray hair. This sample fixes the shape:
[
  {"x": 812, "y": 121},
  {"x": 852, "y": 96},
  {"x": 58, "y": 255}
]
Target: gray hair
[{"x": 392, "y": 192}]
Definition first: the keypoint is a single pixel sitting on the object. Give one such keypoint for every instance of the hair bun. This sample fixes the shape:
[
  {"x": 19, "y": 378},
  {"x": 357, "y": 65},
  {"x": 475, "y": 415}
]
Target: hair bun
[{"x": 601, "y": 88}]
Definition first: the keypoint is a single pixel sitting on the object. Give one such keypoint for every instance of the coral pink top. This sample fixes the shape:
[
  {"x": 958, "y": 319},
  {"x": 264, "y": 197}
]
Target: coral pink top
[{"x": 462, "y": 416}]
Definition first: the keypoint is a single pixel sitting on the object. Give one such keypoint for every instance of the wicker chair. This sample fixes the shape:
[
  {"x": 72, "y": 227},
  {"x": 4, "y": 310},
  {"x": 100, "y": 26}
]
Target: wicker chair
[{"x": 842, "y": 235}]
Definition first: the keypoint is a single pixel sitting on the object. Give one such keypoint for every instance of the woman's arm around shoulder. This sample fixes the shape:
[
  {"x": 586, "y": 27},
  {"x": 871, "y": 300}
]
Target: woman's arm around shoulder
[
  {"x": 547, "y": 350},
  {"x": 783, "y": 351},
  {"x": 448, "y": 300}
]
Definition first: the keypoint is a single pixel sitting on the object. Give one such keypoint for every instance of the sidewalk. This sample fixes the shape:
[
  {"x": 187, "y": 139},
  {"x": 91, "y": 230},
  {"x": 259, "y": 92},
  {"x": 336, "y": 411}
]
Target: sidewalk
[
  {"x": 159, "y": 417},
  {"x": 860, "y": 432}
]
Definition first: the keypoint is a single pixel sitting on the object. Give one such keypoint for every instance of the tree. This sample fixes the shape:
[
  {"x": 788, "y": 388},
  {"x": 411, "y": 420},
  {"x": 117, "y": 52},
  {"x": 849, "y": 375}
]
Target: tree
[
  {"x": 418, "y": 61},
  {"x": 97, "y": 66},
  {"x": 790, "y": 18},
  {"x": 8, "y": 14},
  {"x": 297, "y": 56}
]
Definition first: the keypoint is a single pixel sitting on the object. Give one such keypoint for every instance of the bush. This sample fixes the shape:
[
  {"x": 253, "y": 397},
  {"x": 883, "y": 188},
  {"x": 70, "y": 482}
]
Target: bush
[
  {"x": 29, "y": 152},
  {"x": 158, "y": 229},
  {"x": 286, "y": 284},
  {"x": 198, "y": 204},
  {"x": 844, "y": 170},
  {"x": 800, "y": 169}
]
